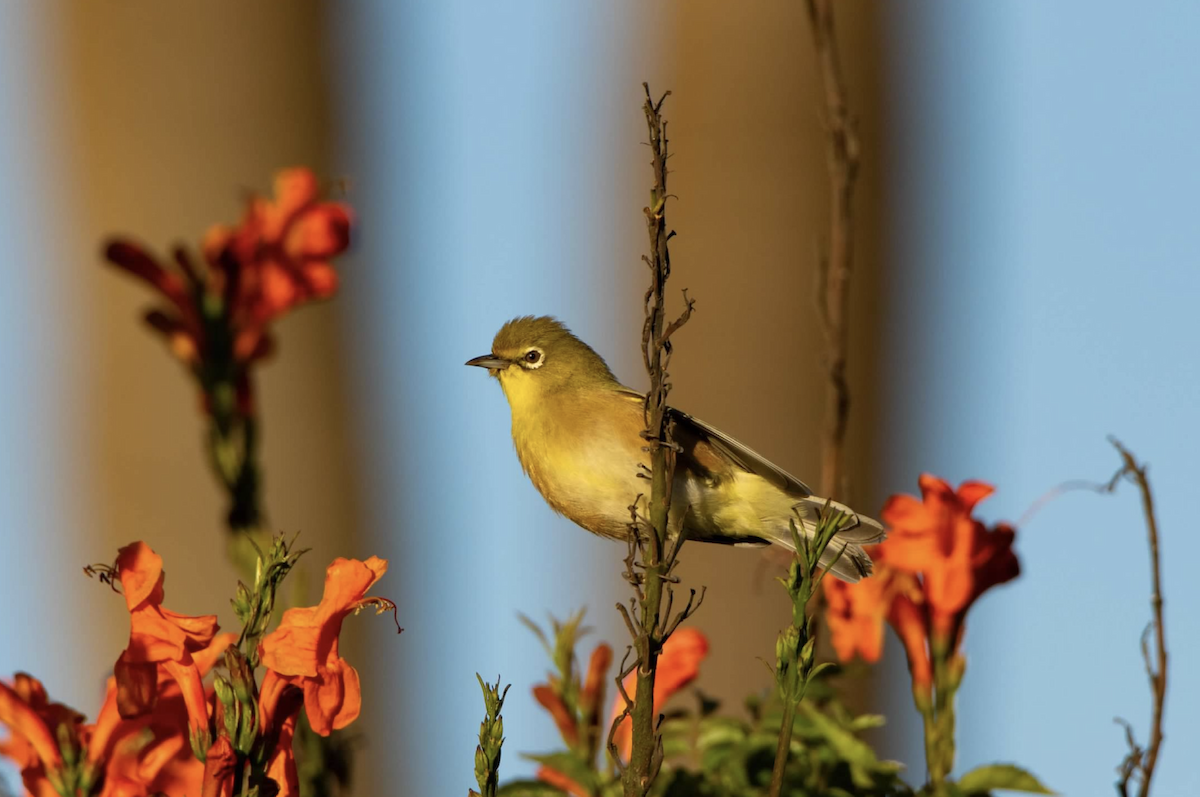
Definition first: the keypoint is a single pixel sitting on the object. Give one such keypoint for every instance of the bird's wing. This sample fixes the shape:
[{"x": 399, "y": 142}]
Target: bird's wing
[{"x": 744, "y": 457}]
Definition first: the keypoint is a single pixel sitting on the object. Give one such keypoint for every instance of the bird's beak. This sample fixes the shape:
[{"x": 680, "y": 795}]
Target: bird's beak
[{"x": 490, "y": 362}]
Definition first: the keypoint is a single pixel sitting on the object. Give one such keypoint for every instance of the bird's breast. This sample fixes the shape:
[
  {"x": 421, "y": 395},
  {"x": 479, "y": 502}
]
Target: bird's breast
[{"x": 582, "y": 455}]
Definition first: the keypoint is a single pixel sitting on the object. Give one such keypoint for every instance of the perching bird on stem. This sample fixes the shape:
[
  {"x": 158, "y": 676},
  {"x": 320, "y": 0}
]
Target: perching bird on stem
[{"x": 578, "y": 434}]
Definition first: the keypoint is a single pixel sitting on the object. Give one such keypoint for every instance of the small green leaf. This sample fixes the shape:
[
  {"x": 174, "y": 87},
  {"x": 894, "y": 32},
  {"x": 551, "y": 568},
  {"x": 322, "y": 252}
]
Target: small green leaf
[{"x": 1000, "y": 776}]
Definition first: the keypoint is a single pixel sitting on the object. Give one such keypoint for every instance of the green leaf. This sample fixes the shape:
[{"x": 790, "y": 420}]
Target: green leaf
[{"x": 1000, "y": 776}]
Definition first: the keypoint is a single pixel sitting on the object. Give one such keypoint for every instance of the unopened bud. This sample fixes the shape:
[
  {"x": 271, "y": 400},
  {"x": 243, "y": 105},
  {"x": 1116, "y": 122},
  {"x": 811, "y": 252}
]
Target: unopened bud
[
  {"x": 241, "y": 676},
  {"x": 241, "y": 602},
  {"x": 224, "y": 691}
]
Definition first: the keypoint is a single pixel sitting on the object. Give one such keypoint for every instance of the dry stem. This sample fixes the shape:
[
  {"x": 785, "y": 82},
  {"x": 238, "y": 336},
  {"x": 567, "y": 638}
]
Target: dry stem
[
  {"x": 1141, "y": 761},
  {"x": 650, "y": 562},
  {"x": 833, "y": 297}
]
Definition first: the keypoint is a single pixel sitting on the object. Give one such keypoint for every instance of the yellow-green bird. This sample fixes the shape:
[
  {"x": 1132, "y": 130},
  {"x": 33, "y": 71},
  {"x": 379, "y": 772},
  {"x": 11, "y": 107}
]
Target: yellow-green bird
[{"x": 577, "y": 432}]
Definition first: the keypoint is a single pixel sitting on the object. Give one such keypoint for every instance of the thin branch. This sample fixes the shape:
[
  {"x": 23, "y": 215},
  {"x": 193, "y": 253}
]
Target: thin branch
[
  {"x": 1143, "y": 761},
  {"x": 835, "y": 268},
  {"x": 650, "y": 623}
]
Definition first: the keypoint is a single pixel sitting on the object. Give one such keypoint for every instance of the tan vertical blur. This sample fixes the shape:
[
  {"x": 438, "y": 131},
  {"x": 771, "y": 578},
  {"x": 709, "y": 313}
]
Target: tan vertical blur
[
  {"x": 178, "y": 109},
  {"x": 750, "y": 173}
]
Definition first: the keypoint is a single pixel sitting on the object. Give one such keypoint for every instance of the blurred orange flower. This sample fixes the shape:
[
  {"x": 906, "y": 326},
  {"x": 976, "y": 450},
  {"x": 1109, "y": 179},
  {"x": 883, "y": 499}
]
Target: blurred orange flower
[
  {"x": 550, "y": 700},
  {"x": 561, "y": 782},
  {"x": 855, "y": 612},
  {"x": 284, "y": 246},
  {"x": 303, "y": 650},
  {"x": 956, "y": 556},
  {"x": 906, "y": 614},
  {"x": 33, "y": 723},
  {"x": 159, "y": 641},
  {"x": 678, "y": 665},
  {"x": 936, "y": 561},
  {"x": 593, "y": 685},
  {"x": 218, "y": 313}
]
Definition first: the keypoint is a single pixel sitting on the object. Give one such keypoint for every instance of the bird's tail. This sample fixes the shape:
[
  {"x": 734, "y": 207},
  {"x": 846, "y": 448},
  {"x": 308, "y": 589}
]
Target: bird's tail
[{"x": 845, "y": 556}]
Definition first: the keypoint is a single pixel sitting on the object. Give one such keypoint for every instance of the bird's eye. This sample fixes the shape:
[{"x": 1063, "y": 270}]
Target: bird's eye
[{"x": 533, "y": 356}]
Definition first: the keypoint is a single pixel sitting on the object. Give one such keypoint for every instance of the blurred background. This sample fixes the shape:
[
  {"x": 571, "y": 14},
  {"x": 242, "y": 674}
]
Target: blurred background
[{"x": 1025, "y": 285}]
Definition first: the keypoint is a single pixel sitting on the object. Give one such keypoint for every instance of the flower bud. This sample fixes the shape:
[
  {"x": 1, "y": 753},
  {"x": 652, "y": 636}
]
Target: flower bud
[
  {"x": 224, "y": 692},
  {"x": 241, "y": 676}
]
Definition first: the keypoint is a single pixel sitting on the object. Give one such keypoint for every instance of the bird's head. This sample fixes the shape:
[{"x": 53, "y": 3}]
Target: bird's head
[{"x": 533, "y": 356}]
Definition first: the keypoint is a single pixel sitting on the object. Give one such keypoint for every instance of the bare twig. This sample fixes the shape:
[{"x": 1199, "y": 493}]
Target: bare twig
[
  {"x": 1140, "y": 762},
  {"x": 652, "y": 555},
  {"x": 835, "y": 267}
]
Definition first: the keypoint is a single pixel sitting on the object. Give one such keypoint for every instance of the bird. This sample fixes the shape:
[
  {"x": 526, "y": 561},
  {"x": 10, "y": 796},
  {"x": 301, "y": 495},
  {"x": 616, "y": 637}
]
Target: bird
[{"x": 578, "y": 435}]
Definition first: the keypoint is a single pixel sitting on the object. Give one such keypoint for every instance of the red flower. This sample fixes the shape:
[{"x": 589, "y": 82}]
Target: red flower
[
  {"x": 220, "y": 769},
  {"x": 956, "y": 556},
  {"x": 33, "y": 723},
  {"x": 906, "y": 615},
  {"x": 855, "y": 612},
  {"x": 562, "y": 782},
  {"x": 550, "y": 700},
  {"x": 217, "y": 316},
  {"x": 303, "y": 650},
  {"x": 282, "y": 767},
  {"x": 160, "y": 641},
  {"x": 133, "y": 758},
  {"x": 166, "y": 764},
  {"x": 285, "y": 246},
  {"x": 678, "y": 665}
]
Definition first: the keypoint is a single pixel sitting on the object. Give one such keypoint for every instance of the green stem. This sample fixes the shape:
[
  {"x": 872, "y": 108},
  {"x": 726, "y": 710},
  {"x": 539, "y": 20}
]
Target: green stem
[
  {"x": 940, "y": 749},
  {"x": 239, "y": 775},
  {"x": 795, "y": 662},
  {"x": 784, "y": 747}
]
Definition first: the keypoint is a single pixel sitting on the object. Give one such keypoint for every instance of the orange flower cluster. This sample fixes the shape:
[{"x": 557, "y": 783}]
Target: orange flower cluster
[
  {"x": 936, "y": 561},
  {"x": 217, "y": 317},
  {"x": 678, "y": 665},
  {"x": 160, "y": 730}
]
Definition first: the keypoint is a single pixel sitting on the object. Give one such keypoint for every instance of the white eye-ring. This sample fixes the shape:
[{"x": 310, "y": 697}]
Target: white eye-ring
[{"x": 534, "y": 358}]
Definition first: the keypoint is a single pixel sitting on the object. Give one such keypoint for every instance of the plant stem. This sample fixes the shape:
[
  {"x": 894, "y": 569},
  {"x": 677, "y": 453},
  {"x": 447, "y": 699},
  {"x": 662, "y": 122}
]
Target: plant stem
[
  {"x": 650, "y": 536},
  {"x": 1144, "y": 761},
  {"x": 794, "y": 651},
  {"x": 833, "y": 300},
  {"x": 783, "y": 748}
]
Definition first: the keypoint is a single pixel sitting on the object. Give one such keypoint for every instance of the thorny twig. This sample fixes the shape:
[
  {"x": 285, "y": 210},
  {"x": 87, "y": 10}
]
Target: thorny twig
[
  {"x": 835, "y": 267},
  {"x": 652, "y": 556}
]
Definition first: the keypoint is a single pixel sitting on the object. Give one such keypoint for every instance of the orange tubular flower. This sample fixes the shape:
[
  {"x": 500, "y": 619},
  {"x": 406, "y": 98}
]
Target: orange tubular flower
[
  {"x": 561, "y": 782},
  {"x": 955, "y": 554},
  {"x": 282, "y": 767},
  {"x": 33, "y": 723},
  {"x": 159, "y": 641},
  {"x": 285, "y": 246},
  {"x": 678, "y": 665},
  {"x": 907, "y": 616},
  {"x": 545, "y": 695},
  {"x": 303, "y": 650},
  {"x": 220, "y": 769},
  {"x": 855, "y": 612},
  {"x": 166, "y": 765}
]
